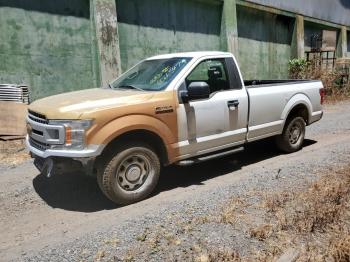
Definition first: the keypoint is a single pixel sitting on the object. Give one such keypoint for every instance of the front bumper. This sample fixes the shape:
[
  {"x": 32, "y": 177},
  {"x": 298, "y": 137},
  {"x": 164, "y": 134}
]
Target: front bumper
[
  {"x": 52, "y": 161},
  {"x": 60, "y": 165},
  {"x": 89, "y": 151}
]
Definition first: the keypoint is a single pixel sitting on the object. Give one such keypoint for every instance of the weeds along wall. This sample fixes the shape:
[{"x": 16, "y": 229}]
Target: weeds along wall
[{"x": 71, "y": 45}]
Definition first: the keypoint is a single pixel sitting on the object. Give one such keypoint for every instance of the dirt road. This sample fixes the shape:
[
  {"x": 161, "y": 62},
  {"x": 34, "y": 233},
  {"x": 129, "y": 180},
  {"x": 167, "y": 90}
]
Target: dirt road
[{"x": 64, "y": 216}]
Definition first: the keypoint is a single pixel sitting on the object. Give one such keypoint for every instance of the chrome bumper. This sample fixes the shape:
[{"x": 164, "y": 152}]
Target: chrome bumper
[{"x": 89, "y": 151}]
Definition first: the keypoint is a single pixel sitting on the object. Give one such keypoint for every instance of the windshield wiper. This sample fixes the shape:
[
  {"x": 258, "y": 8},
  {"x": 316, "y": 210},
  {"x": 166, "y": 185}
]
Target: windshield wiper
[{"x": 130, "y": 87}]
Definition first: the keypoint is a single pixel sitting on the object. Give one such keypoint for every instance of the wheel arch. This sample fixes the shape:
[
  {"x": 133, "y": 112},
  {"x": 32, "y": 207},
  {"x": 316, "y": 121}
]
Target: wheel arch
[
  {"x": 298, "y": 105},
  {"x": 143, "y": 135},
  {"x": 142, "y": 127}
]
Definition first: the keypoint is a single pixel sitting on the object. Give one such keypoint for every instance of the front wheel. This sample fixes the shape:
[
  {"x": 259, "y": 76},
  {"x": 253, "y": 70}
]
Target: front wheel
[
  {"x": 130, "y": 174},
  {"x": 293, "y": 135}
]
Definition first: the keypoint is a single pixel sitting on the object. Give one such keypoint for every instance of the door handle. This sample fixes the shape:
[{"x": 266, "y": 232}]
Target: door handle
[{"x": 233, "y": 103}]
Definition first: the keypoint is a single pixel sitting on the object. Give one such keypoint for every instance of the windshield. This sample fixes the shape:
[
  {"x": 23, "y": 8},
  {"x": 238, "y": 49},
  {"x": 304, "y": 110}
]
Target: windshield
[{"x": 151, "y": 75}]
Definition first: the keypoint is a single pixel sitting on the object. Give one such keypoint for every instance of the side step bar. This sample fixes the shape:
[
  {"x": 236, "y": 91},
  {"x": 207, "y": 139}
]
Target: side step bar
[{"x": 199, "y": 159}]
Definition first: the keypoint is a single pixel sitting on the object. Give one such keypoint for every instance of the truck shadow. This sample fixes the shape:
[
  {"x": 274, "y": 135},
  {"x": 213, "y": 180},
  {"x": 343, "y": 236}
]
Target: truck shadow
[
  {"x": 78, "y": 192},
  {"x": 176, "y": 176},
  {"x": 72, "y": 191}
]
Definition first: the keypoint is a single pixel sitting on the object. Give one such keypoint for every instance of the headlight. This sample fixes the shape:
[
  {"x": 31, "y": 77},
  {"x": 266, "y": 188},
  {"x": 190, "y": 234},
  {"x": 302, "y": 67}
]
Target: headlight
[{"x": 74, "y": 133}]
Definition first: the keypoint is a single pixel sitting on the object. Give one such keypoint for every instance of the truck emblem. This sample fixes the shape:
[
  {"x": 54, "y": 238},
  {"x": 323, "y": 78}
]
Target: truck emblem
[{"x": 164, "y": 109}]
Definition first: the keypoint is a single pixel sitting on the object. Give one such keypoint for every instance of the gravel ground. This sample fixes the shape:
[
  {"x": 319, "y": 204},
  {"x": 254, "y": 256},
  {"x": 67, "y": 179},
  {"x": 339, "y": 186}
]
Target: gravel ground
[
  {"x": 13, "y": 153},
  {"x": 68, "y": 219}
]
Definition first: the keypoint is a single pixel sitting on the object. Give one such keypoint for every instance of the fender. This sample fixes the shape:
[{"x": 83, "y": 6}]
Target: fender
[
  {"x": 121, "y": 125},
  {"x": 293, "y": 102}
]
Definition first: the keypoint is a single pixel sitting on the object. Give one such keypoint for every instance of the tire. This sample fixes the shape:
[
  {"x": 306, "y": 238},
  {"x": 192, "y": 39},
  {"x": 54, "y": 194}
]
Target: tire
[
  {"x": 292, "y": 137},
  {"x": 129, "y": 173}
]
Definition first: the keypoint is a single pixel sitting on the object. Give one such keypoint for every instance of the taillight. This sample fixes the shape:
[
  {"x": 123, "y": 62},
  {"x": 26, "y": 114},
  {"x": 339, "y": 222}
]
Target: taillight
[{"x": 322, "y": 93}]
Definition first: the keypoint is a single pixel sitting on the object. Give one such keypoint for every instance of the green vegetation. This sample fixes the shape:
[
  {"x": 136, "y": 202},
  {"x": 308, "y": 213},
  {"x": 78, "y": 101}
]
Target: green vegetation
[
  {"x": 335, "y": 80},
  {"x": 298, "y": 68}
]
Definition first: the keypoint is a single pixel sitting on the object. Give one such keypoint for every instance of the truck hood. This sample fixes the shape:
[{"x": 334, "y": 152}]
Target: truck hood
[{"x": 73, "y": 104}]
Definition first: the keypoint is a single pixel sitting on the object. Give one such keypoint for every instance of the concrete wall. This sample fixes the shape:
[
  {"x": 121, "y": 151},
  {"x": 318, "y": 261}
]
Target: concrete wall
[
  {"x": 264, "y": 43},
  {"x": 181, "y": 25},
  {"x": 81, "y": 44},
  {"x": 47, "y": 46},
  {"x": 173, "y": 26}
]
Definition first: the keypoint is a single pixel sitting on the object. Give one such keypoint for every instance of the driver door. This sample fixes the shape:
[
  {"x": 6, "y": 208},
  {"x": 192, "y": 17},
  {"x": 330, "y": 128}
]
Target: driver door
[{"x": 215, "y": 123}]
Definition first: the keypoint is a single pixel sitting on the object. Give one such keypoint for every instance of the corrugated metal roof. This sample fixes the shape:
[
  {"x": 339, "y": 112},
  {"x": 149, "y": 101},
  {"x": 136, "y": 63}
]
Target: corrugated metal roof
[{"x": 335, "y": 11}]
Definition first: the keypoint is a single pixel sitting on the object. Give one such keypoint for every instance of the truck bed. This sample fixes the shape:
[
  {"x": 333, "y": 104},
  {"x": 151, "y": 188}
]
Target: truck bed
[{"x": 260, "y": 83}]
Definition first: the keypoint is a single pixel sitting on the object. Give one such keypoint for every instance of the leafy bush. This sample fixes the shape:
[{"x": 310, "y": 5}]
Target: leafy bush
[{"x": 298, "y": 68}]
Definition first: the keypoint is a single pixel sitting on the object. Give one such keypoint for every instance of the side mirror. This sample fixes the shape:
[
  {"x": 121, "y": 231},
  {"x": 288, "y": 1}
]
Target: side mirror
[{"x": 195, "y": 91}]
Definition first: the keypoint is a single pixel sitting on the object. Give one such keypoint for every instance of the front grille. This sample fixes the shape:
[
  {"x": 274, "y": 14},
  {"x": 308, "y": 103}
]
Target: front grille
[
  {"x": 38, "y": 145},
  {"x": 37, "y": 117}
]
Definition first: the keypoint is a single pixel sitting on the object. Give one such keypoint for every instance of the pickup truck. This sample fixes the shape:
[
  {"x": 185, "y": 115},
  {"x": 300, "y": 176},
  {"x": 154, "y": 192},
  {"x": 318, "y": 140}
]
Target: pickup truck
[{"x": 180, "y": 108}]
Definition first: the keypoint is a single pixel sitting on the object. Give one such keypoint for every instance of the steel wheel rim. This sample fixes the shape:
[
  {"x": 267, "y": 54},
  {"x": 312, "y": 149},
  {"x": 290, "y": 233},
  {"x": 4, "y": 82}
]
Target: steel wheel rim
[
  {"x": 133, "y": 171},
  {"x": 295, "y": 132}
]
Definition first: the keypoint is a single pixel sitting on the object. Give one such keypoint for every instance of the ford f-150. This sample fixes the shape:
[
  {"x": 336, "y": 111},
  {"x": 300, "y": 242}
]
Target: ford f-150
[{"x": 179, "y": 108}]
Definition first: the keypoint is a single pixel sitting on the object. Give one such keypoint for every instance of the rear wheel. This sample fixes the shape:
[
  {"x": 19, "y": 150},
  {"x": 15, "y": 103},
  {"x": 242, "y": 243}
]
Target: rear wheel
[
  {"x": 293, "y": 135},
  {"x": 130, "y": 173}
]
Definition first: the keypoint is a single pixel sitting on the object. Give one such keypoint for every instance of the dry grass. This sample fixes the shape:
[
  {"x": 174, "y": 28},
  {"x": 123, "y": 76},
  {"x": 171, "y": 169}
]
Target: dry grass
[
  {"x": 340, "y": 249},
  {"x": 312, "y": 224},
  {"x": 315, "y": 222},
  {"x": 261, "y": 232},
  {"x": 222, "y": 255},
  {"x": 161, "y": 239},
  {"x": 319, "y": 206},
  {"x": 13, "y": 152},
  {"x": 233, "y": 211},
  {"x": 335, "y": 89},
  {"x": 276, "y": 201}
]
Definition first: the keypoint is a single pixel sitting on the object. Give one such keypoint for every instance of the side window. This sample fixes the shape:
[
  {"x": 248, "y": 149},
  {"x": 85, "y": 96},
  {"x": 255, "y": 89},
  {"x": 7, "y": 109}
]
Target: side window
[
  {"x": 213, "y": 72},
  {"x": 235, "y": 79}
]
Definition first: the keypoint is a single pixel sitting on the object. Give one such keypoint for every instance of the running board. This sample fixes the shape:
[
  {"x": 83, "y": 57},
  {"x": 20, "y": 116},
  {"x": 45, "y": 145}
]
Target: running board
[{"x": 192, "y": 161}]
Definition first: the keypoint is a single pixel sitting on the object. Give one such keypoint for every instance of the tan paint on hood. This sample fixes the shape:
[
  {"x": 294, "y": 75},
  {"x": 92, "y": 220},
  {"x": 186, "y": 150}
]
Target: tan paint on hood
[
  {"x": 73, "y": 104},
  {"x": 115, "y": 112}
]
